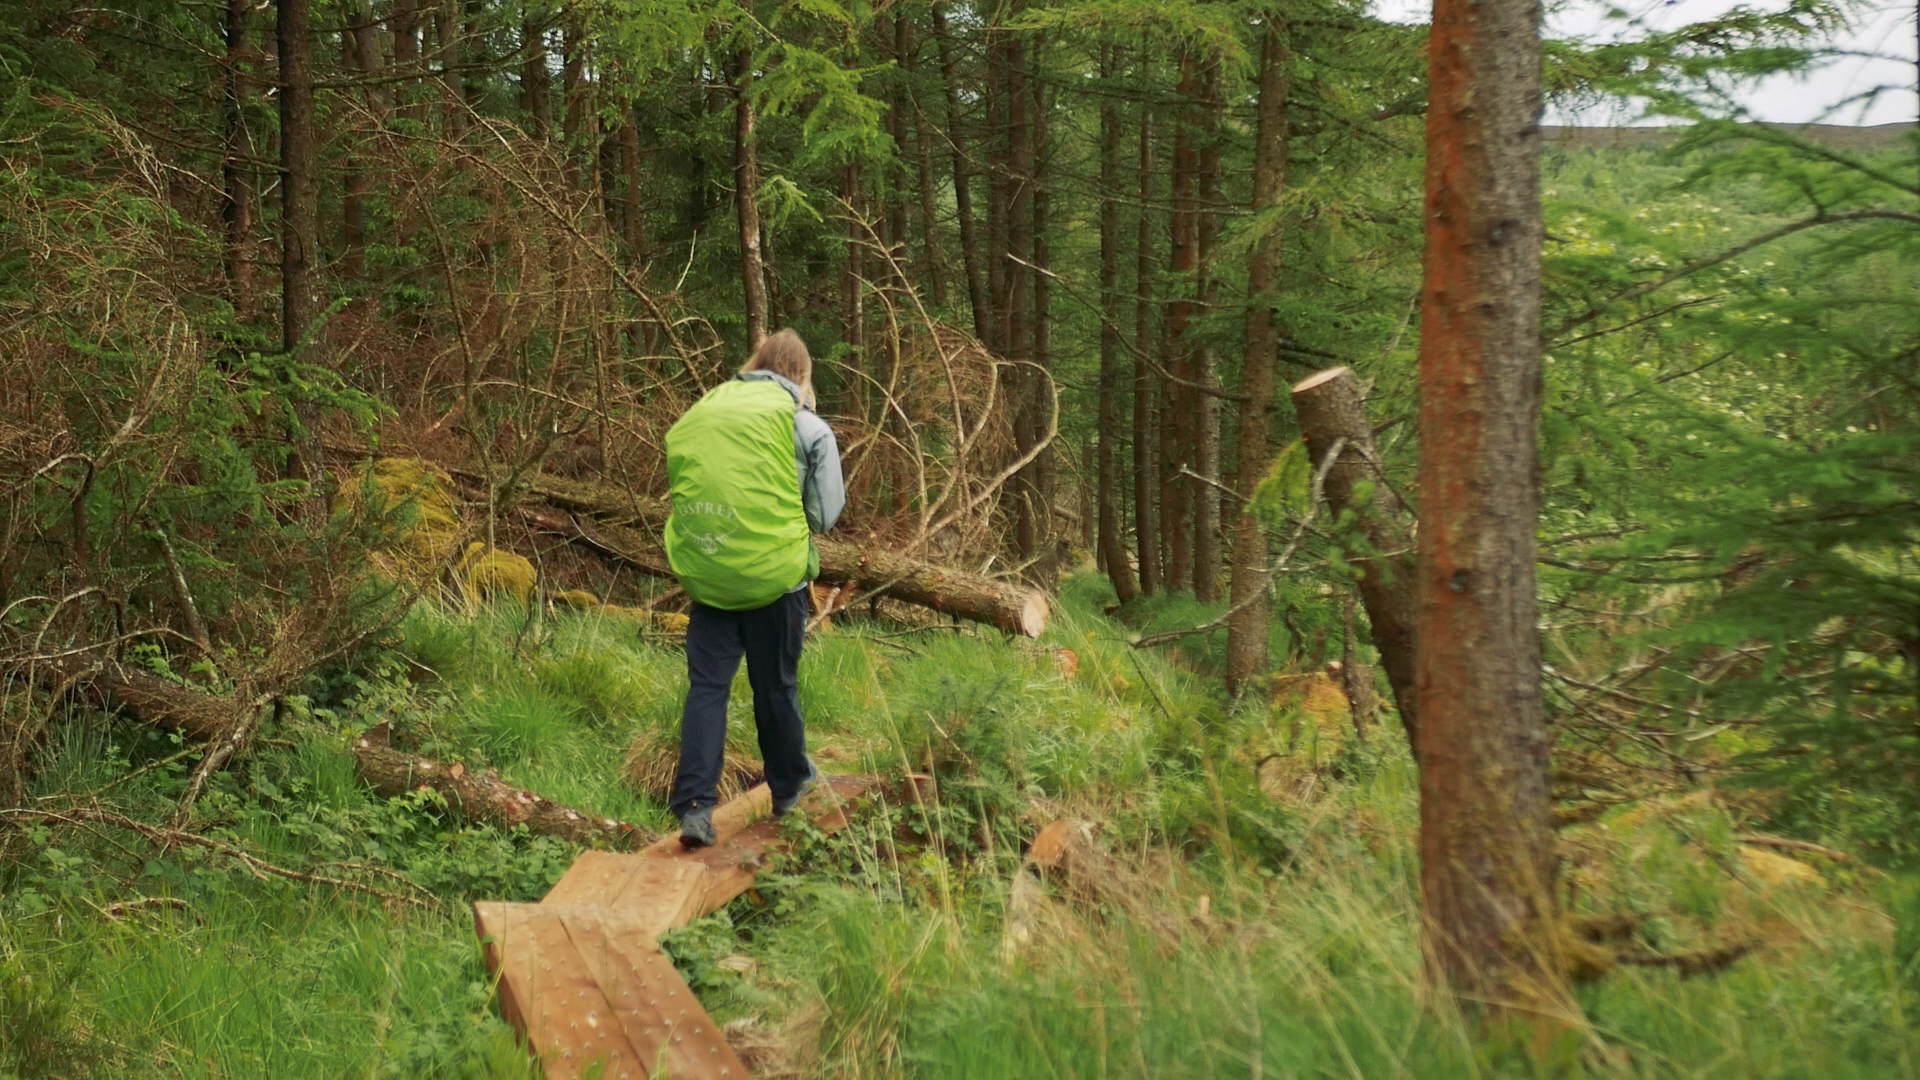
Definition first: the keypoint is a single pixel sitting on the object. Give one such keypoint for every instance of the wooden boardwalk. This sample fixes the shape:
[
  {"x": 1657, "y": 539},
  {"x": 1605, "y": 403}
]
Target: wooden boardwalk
[{"x": 581, "y": 972}]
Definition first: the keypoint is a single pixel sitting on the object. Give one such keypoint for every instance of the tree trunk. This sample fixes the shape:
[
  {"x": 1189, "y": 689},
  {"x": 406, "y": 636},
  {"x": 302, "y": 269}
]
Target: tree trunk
[
  {"x": 1017, "y": 333},
  {"x": 962, "y": 177},
  {"x": 446, "y": 34},
  {"x": 582, "y": 125},
  {"x": 853, "y": 328},
  {"x": 1485, "y": 837},
  {"x": 360, "y": 44},
  {"x": 1038, "y": 404},
  {"x": 1000, "y": 190},
  {"x": 934, "y": 262},
  {"x": 896, "y": 187},
  {"x": 1182, "y": 420},
  {"x": 405, "y": 24},
  {"x": 1146, "y": 442},
  {"x": 1247, "y": 631},
  {"x": 1111, "y": 540},
  {"x": 1206, "y": 440},
  {"x": 236, "y": 167},
  {"x": 1331, "y": 411},
  {"x": 473, "y": 44},
  {"x": 536, "y": 82},
  {"x": 633, "y": 222},
  {"x": 299, "y": 179},
  {"x": 746, "y": 189}
]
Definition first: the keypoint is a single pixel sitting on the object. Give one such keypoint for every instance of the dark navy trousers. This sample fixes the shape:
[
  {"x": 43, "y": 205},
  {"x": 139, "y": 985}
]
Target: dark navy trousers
[{"x": 770, "y": 638}]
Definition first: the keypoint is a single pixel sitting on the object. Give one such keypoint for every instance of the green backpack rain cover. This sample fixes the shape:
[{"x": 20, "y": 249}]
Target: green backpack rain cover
[{"x": 737, "y": 538}]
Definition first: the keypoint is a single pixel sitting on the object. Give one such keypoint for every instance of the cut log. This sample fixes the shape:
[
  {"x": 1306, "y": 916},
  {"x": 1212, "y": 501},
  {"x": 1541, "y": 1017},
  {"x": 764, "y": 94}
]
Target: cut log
[
  {"x": 623, "y": 526},
  {"x": 1014, "y": 608},
  {"x": 1065, "y": 854},
  {"x": 1332, "y": 410},
  {"x": 485, "y": 797}
]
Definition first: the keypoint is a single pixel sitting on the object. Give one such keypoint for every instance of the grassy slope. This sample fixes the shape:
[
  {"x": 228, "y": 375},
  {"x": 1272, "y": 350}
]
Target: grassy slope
[{"x": 1254, "y": 930}]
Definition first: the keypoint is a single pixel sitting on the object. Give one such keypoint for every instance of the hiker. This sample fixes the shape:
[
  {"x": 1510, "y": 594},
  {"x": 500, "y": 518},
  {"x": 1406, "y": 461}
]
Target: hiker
[{"x": 754, "y": 473}]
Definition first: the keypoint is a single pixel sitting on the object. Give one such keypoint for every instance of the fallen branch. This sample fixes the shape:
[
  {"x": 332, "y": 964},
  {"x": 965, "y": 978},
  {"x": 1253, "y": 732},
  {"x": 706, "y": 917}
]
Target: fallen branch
[
  {"x": 165, "y": 837},
  {"x": 485, "y": 797},
  {"x": 223, "y": 749},
  {"x": 150, "y": 699},
  {"x": 1784, "y": 844},
  {"x": 1703, "y": 962}
]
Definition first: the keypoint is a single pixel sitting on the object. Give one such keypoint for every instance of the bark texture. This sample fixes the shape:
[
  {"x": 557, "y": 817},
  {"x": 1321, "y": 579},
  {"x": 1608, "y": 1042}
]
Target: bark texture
[
  {"x": 360, "y": 45},
  {"x": 1146, "y": 444},
  {"x": 1111, "y": 538},
  {"x": 1331, "y": 410},
  {"x": 746, "y": 190},
  {"x": 299, "y": 178},
  {"x": 1181, "y": 426},
  {"x": 1485, "y": 838},
  {"x": 236, "y": 170},
  {"x": 1247, "y": 629},
  {"x": 484, "y": 797},
  {"x": 1206, "y": 367},
  {"x": 962, "y": 176}
]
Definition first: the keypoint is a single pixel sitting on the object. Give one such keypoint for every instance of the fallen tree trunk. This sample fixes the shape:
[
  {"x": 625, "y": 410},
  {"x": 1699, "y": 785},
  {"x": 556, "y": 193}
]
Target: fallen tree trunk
[
  {"x": 1332, "y": 410},
  {"x": 149, "y": 699},
  {"x": 484, "y": 796},
  {"x": 624, "y": 526},
  {"x": 1011, "y": 607}
]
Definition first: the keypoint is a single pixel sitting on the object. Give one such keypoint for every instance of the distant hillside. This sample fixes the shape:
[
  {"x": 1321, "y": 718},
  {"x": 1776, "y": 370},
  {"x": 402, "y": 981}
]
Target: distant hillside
[{"x": 1835, "y": 135}]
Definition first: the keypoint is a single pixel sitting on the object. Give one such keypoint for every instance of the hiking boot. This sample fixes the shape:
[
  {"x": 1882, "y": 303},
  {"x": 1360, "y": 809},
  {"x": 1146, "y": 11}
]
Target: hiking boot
[
  {"x": 783, "y": 807},
  {"x": 696, "y": 827}
]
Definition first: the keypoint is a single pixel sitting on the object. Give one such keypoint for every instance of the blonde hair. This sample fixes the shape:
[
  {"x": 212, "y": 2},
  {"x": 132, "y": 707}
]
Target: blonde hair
[{"x": 784, "y": 354}]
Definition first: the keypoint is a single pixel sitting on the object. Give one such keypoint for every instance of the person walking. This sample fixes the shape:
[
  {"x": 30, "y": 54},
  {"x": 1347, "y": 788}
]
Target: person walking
[{"x": 754, "y": 473}]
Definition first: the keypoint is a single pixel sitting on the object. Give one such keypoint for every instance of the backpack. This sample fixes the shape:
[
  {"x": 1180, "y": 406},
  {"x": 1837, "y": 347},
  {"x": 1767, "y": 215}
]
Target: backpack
[{"x": 737, "y": 537}]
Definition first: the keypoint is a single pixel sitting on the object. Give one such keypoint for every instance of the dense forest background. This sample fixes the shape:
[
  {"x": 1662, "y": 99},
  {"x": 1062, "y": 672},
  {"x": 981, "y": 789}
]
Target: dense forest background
[{"x": 337, "y": 342}]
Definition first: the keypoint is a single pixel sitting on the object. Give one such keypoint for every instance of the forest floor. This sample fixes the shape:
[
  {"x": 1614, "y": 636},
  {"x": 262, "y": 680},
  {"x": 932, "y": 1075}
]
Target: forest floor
[{"x": 1249, "y": 907}]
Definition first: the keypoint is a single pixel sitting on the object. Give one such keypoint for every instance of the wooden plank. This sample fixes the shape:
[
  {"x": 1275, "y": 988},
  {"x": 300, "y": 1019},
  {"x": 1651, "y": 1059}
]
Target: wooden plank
[
  {"x": 548, "y": 991},
  {"x": 495, "y": 922},
  {"x": 644, "y": 894},
  {"x": 732, "y": 863},
  {"x": 581, "y": 973},
  {"x": 594, "y": 880},
  {"x": 736, "y": 816},
  {"x": 657, "y": 1012},
  {"x": 729, "y": 819}
]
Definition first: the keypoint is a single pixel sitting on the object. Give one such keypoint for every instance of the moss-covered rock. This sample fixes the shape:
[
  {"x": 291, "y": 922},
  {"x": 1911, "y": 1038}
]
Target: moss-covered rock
[
  {"x": 416, "y": 499},
  {"x": 577, "y": 599},
  {"x": 664, "y": 626},
  {"x": 492, "y": 573}
]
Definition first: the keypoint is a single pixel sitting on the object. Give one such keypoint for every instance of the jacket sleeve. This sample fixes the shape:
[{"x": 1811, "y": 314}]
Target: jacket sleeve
[{"x": 823, "y": 491}]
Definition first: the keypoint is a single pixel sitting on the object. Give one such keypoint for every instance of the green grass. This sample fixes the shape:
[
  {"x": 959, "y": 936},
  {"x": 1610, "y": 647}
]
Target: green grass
[
  {"x": 913, "y": 945},
  {"x": 275, "y": 984}
]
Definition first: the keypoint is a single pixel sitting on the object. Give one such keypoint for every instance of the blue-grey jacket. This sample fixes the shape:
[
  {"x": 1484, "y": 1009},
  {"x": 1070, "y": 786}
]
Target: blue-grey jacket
[{"x": 823, "y": 491}]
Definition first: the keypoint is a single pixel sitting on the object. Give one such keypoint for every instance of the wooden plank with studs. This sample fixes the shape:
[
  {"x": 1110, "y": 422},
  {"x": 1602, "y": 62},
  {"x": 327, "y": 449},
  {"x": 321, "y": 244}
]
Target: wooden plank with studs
[
  {"x": 647, "y": 894},
  {"x": 567, "y": 1019},
  {"x": 581, "y": 973},
  {"x": 657, "y": 1012},
  {"x": 746, "y": 845}
]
